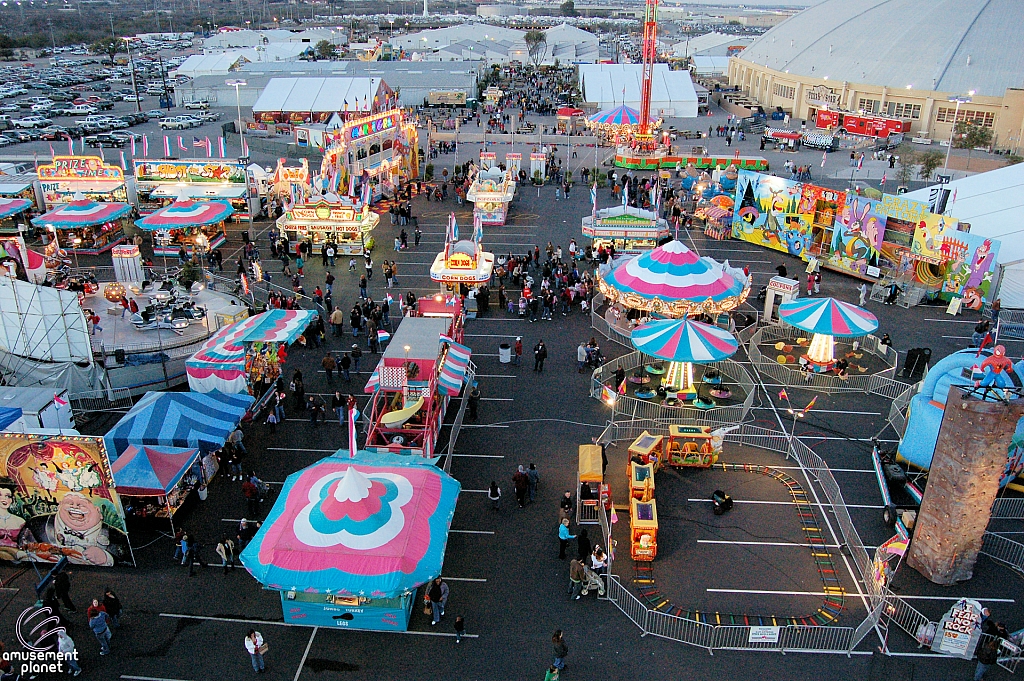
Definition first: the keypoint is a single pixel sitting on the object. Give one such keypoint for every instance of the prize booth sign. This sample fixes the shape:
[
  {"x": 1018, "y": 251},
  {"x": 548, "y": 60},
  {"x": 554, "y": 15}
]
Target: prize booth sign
[{"x": 57, "y": 499}]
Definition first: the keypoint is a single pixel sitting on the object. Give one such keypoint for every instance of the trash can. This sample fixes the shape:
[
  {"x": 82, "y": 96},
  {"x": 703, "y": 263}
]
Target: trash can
[{"x": 505, "y": 353}]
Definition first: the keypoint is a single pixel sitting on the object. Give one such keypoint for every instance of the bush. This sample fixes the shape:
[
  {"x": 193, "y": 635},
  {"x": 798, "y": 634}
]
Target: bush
[
  {"x": 429, "y": 171},
  {"x": 538, "y": 178}
]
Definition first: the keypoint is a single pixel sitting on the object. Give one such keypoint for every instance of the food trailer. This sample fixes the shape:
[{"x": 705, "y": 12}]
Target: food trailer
[
  {"x": 591, "y": 488},
  {"x": 84, "y": 226},
  {"x": 339, "y": 222},
  {"x": 643, "y": 527},
  {"x": 630, "y": 230},
  {"x": 69, "y": 178},
  {"x": 159, "y": 183},
  {"x": 422, "y": 368},
  {"x": 491, "y": 193}
]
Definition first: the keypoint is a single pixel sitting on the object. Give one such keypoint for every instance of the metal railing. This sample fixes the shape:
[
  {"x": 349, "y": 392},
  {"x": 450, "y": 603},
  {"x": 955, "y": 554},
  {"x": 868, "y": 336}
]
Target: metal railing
[
  {"x": 601, "y": 325},
  {"x": 84, "y": 404},
  {"x": 1008, "y": 508},
  {"x": 898, "y": 409},
  {"x": 459, "y": 415},
  {"x": 882, "y": 381},
  {"x": 1006, "y": 551},
  {"x": 635, "y": 408}
]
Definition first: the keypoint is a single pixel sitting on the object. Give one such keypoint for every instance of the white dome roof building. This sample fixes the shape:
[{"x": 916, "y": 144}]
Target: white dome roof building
[{"x": 900, "y": 58}]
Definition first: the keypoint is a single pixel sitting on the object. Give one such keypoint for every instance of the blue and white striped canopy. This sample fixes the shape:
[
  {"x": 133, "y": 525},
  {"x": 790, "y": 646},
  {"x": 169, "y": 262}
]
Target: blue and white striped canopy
[{"x": 828, "y": 316}]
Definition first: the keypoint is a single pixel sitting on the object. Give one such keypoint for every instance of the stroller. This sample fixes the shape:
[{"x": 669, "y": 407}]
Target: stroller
[{"x": 592, "y": 581}]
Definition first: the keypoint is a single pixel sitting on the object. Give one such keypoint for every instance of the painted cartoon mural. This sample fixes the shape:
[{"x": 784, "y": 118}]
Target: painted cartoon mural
[
  {"x": 857, "y": 237},
  {"x": 969, "y": 273},
  {"x": 768, "y": 213},
  {"x": 57, "y": 499}
]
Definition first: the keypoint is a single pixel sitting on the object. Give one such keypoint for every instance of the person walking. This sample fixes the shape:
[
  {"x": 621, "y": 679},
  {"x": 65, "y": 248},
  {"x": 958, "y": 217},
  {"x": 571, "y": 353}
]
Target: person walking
[
  {"x": 346, "y": 365},
  {"x": 226, "y": 551},
  {"x": 251, "y": 495},
  {"x": 66, "y": 646},
  {"x": 576, "y": 577},
  {"x": 521, "y": 486},
  {"x": 533, "y": 475},
  {"x": 988, "y": 655},
  {"x": 438, "y": 595},
  {"x": 561, "y": 649},
  {"x": 563, "y": 537},
  {"x": 540, "y": 353},
  {"x": 551, "y": 674},
  {"x": 817, "y": 282},
  {"x": 62, "y": 588},
  {"x": 583, "y": 547},
  {"x": 112, "y": 604},
  {"x": 329, "y": 366},
  {"x": 494, "y": 494},
  {"x": 517, "y": 352},
  {"x": 337, "y": 322},
  {"x": 581, "y": 357},
  {"x": 257, "y": 648},
  {"x": 99, "y": 623},
  {"x": 474, "y": 402},
  {"x": 357, "y": 354},
  {"x": 862, "y": 290},
  {"x": 460, "y": 628}
]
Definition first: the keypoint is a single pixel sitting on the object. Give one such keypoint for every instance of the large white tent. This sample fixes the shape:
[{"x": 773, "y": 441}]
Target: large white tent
[
  {"x": 992, "y": 204},
  {"x": 317, "y": 94},
  {"x": 609, "y": 85}
]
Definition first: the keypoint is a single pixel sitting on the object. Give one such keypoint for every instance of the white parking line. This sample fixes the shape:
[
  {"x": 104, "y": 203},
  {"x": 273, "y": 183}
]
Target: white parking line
[
  {"x": 148, "y": 678},
  {"x": 470, "y": 531},
  {"x": 496, "y": 376},
  {"x": 785, "y": 503},
  {"x": 480, "y": 456},
  {"x": 831, "y": 411},
  {"x": 305, "y": 654}
]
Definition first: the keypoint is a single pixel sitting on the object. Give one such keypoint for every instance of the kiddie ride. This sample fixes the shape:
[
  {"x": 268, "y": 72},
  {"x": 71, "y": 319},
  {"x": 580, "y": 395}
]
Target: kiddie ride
[
  {"x": 686, "y": 447},
  {"x": 175, "y": 317},
  {"x": 423, "y": 366}
]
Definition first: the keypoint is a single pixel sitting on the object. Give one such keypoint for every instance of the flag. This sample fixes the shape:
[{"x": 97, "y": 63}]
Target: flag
[
  {"x": 71, "y": 146},
  {"x": 245, "y": 148},
  {"x": 389, "y": 299},
  {"x": 133, "y": 147},
  {"x": 824, "y": 157},
  {"x": 124, "y": 163},
  {"x": 209, "y": 148},
  {"x": 625, "y": 194},
  {"x": 614, "y": 518},
  {"x": 882, "y": 183},
  {"x": 593, "y": 197},
  {"x": 353, "y": 446},
  {"x": 181, "y": 144},
  {"x": 223, "y": 148},
  {"x": 352, "y": 185},
  {"x": 449, "y": 302},
  {"x": 145, "y": 146},
  {"x": 365, "y": 194},
  {"x": 196, "y": 142},
  {"x": 953, "y": 200},
  {"x": 783, "y": 395},
  {"x": 860, "y": 162},
  {"x": 622, "y": 388},
  {"x": 810, "y": 405},
  {"x": 453, "y": 228},
  {"x": 82, "y": 140},
  {"x": 59, "y": 401},
  {"x": 167, "y": 146},
  {"x": 52, "y": 154},
  {"x": 382, "y": 335},
  {"x": 478, "y": 228}
]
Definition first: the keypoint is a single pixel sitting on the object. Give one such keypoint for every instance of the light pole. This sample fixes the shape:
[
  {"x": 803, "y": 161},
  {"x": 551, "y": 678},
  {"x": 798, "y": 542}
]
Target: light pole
[
  {"x": 131, "y": 67},
  {"x": 952, "y": 131},
  {"x": 237, "y": 83}
]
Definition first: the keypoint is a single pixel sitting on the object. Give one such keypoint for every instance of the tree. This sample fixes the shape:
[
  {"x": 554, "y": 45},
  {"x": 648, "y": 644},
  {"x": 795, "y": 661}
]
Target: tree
[
  {"x": 927, "y": 163},
  {"x": 906, "y": 161},
  {"x": 970, "y": 135},
  {"x": 324, "y": 50},
  {"x": 536, "y": 46},
  {"x": 108, "y": 46},
  {"x": 568, "y": 8}
]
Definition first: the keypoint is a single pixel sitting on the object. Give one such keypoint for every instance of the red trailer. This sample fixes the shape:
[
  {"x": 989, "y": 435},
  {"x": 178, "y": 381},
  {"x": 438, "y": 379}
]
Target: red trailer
[{"x": 868, "y": 125}]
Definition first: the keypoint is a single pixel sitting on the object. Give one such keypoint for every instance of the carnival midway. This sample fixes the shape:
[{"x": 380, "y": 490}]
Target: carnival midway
[{"x": 496, "y": 387}]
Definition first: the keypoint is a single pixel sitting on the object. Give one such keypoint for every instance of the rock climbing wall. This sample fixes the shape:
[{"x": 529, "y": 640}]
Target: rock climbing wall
[{"x": 963, "y": 481}]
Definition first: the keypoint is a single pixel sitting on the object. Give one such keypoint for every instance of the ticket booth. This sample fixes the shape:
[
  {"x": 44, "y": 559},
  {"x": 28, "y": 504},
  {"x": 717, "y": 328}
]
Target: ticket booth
[
  {"x": 690, "y": 446},
  {"x": 780, "y": 290},
  {"x": 648, "y": 449},
  {"x": 641, "y": 481},
  {"x": 591, "y": 488},
  {"x": 643, "y": 523}
]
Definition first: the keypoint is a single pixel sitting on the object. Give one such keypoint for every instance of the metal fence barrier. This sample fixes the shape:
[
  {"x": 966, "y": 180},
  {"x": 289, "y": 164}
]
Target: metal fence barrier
[
  {"x": 634, "y": 408},
  {"x": 1006, "y": 551},
  {"x": 882, "y": 381},
  {"x": 1008, "y": 508}
]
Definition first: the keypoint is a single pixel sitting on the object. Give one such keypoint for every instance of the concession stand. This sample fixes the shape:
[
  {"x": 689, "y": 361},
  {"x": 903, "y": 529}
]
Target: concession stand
[
  {"x": 155, "y": 482},
  {"x": 187, "y": 224},
  {"x": 159, "y": 183},
  {"x": 491, "y": 193},
  {"x": 335, "y": 221},
  {"x": 68, "y": 178},
  {"x": 630, "y": 230},
  {"x": 12, "y": 214},
  {"x": 84, "y": 226}
]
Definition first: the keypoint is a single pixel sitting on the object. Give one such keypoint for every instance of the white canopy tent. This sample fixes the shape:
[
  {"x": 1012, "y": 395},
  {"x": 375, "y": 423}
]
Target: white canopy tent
[
  {"x": 318, "y": 94},
  {"x": 992, "y": 204},
  {"x": 610, "y": 85}
]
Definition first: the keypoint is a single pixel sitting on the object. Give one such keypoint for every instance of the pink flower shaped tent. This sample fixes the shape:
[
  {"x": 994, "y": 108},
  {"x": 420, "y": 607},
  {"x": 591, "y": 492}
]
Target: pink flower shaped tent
[
  {"x": 81, "y": 213},
  {"x": 187, "y": 213},
  {"x": 9, "y": 207}
]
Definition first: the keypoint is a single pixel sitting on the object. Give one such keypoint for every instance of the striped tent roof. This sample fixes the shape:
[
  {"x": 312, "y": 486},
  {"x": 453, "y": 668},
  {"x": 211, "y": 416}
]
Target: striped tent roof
[
  {"x": 453, "y": 371},
  {"x": 828, "y": 316},
  {"x": 683, "y": 340},
  {"x": 187, "y": 213},
  {"x": 620, "y": 115},
  {"x": 83, "y": 213},
  {"x": 9, "y": 207}
]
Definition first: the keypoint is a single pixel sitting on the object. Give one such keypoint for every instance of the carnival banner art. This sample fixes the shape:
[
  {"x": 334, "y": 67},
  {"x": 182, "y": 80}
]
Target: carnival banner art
[{"x": 768, "y": 213}]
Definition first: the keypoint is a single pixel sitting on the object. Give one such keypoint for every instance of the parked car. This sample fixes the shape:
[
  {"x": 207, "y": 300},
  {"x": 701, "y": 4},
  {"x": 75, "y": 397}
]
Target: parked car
[
  {"x": 18, "y": 136},
  {"x": 5, "y": 141},
  {"x": 86, "y": 109},
  {"x": 54, "y": 132},
  {"x": 105, "y": 140},
  {"x": 176, "y": 123},
  {"x": 32, "y": 122},
  {"x": 197, "y": 104},
  {"x": 133, "y": 98}
]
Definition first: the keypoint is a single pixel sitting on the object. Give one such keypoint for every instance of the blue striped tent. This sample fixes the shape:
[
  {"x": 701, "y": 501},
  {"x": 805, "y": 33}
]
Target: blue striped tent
[{"x": 190, "y": 420}]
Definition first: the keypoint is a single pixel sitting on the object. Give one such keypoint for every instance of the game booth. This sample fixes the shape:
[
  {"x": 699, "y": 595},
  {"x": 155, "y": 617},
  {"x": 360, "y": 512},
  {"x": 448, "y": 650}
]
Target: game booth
[
  {"x": 158, "y": 183},
  {"x": 187, "y": 224},
  {"x": 12, "y": 215},
  {"x": 246, "y": 357},
  {"x": 155, "y": 482},
  {"x": 350, "y": 540},
  {"x": 591, "y": 489},
  {"x": 183, "y": 420},
  {"x": 381, "y": 148},
  {"x": 71, "y": 178},
  {"x": 491, "y": 192},
  {"x": 331, "y": 219},
  {"x": 84, "y": 226},
  {"x": 630, "y": 230},
  {"x": 422, "y": 368}
]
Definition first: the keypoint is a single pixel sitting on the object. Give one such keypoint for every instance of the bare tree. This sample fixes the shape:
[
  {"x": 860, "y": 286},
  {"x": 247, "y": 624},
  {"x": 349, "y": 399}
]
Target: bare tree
[{"x": 536, "y": 46}]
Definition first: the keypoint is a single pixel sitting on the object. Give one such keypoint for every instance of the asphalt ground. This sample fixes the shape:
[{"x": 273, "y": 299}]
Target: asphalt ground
[{"x": 528, "y": 417}]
